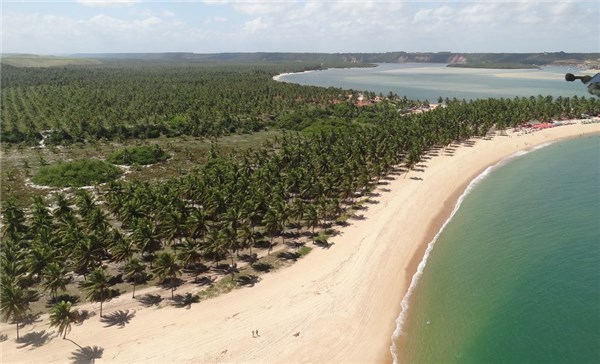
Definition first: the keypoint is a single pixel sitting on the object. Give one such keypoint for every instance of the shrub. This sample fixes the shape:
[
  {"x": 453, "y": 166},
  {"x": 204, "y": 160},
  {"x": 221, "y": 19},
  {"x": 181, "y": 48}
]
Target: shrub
[
  {"x": 142, "y": 155},
  {"x": 83, "y": 172}
]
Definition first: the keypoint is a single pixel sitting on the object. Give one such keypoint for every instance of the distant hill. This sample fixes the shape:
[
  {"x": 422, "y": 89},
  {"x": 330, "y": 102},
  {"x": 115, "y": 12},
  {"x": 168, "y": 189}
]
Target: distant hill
[
  {"x": 31, "y": 60},
  {"x": 530, "y": 59},
  {"x": 489, "y": 60}
]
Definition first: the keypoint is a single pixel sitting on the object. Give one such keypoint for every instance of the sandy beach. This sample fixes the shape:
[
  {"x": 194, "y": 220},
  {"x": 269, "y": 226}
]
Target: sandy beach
[{"x": 336, "y": 305}]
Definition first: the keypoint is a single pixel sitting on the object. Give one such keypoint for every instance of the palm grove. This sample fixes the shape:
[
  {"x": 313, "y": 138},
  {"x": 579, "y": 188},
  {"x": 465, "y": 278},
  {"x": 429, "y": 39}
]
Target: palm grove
[{"x": 329, "y": 156}]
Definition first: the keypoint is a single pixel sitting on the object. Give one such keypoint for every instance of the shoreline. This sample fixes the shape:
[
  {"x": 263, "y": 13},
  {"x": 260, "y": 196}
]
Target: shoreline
[
  {"x": 278, "y": 77},
  {"x": 334, "y": 305},
  {"x": 438, "y": 225}
]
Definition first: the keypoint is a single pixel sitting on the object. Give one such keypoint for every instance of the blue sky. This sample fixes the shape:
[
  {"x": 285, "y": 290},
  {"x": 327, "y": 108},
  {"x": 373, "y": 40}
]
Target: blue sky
[{"x": 211, "y": 26}]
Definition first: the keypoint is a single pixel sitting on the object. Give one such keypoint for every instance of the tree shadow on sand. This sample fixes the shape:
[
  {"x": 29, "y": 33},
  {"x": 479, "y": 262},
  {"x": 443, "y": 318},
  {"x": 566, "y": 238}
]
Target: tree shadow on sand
[
  {"x": 34, "y": 339},
  {"x": 84, "y": 315},
  {"x": 186, "y": 300},
  {"x": 288, "y": 256},
  {"x": 205, "y": 281},
  {"x": 30, "y": 319},
  {"x": 249, "y": 258},
  {"x": 262, "y": 267},
  {"x": 118, "y": 318},
  {"x": 247, "y": 280},
  {"x": 150, "y": 300},
  {"x": 86, "y": 355}
]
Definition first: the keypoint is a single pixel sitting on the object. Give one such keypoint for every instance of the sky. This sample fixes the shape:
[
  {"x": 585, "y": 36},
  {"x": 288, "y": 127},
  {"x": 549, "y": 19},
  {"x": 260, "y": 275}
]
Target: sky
[{"x": 332, "y": 26}]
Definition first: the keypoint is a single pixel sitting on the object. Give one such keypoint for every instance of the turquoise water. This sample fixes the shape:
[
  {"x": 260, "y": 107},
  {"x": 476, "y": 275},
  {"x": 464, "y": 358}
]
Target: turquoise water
[
  {"x": 515, "y": 276},
  {"x": 425, "y": 81}
]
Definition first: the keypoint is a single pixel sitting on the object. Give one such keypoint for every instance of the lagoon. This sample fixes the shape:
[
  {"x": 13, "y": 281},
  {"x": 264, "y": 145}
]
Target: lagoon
[{"x": 427, "y": 81}]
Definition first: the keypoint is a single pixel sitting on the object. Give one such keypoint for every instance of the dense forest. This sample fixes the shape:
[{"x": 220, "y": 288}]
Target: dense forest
[
  {"x": 236, "y": 207},
  {"x": 122, "y": 100}
]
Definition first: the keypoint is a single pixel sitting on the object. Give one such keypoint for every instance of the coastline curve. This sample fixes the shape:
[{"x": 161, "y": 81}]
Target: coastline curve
[{"x": 405, "y": 303}]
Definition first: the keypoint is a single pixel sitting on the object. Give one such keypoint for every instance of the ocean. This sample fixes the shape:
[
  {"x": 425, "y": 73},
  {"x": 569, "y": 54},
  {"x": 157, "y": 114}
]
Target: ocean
[
  {"x": 426, "y": 81},
  {"x": 514, "y": 277}
]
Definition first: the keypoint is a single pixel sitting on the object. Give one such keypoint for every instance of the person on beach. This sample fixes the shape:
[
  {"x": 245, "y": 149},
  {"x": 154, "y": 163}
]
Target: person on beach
[
  {"x": 253, "y": 335},
  {"x": 257, "y": 333}
]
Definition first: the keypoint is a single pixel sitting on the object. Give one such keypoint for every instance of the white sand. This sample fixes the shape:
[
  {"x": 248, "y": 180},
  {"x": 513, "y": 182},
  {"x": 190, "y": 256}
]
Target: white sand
[{"x": 343, "y": 301}]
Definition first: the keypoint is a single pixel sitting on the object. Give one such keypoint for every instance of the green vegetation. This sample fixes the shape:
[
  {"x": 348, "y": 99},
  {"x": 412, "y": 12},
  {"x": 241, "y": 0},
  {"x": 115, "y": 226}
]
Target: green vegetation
[
  {"x": 97, "y": 287},
  {"x": 234, "y": 206},
  {"x": 78, "y": 173},
  {"x": 304, "y": 250},
  {"x": 120, "y": 101},
  {"x": 62, "y": 317},
  {"x": 14, "y": 301},
  {"x": 142, "y": 155},
  {"x": 125, "y": 97}
]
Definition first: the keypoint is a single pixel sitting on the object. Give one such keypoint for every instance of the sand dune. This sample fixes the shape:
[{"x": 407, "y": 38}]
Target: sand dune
[{"x": 336, "y": 305}]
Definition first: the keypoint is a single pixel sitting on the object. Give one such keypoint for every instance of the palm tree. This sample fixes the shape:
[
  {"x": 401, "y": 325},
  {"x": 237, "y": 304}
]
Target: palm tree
[
  {"x": 272, "y": 225},
  {"x": 96, "y": 220},
  {"x": 62, "y": 317},
  {"x": 166, "y": 267},
  {"x": 190, "y": 254},
  {"x": 282, "y": 210},
  {"x": 247, "y": 237},
  {"x": 69, "y": 233},
  {"x": 97, "y": 287},
  {"x": 85, "y": 203},
  {"x": 121, "y": 248},
  {"x": 14, "y": 269},
  {"x": 216, "y": 245},
  {"x": 174, "y": 225},
  {"x": 146, "y": 237},
  {"x": 298, "y": 210},
  {"x": 87, "y": 253},
  {"x": 38, "y": 259},
  {"x": 40, "y": 215},
  {"x": 55, "y": 278},
  {"x": 230, "y": 239},
  {"x": 62, "y": 206},
  {"x": 312, "y": 218},
  {"x": 135, "y": 271},
  {"x": 198, "y": 224},
  {"x": 234, "y": 216},
  {"x": 13, "y": 218},
  {"x": 14, "y": 301}
]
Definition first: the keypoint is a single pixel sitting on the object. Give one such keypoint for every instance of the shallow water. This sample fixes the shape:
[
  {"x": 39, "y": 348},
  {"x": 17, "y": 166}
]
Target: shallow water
[{"x": 514, "y": 276}]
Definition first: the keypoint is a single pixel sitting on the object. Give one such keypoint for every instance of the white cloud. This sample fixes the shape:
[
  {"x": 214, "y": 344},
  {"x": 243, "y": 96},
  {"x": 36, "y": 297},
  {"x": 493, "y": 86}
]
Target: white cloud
[
  {"x": 423, "y": 15},
  {"x": 215, "y": 20},
  {"x": 254, "y": 7},
  {"x": 107, "y": 3},
  {"x": 167, "y": 13},
  {"x": 308, "y": 9},
  {"x": 255, "y": 25},
  {"x": 479, "y": 13},
  {"x": 312, "y": 25},
  {"x": 529, "y": 18}
]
